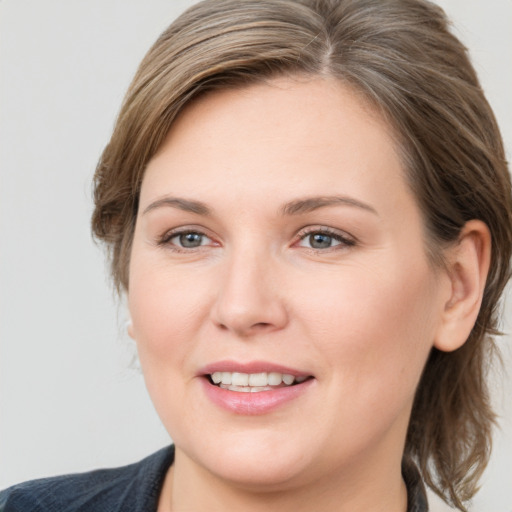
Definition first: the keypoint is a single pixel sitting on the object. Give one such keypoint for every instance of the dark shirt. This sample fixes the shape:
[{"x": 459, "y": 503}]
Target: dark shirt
[{"x": 133, "y": 488}]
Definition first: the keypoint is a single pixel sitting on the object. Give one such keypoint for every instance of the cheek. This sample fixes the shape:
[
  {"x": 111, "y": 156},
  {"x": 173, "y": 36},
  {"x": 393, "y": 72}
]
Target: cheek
[
  {"x": 374, "y": 328},
  {"x": 160, "y": 297},
  {"x": 166, "y": 309}
]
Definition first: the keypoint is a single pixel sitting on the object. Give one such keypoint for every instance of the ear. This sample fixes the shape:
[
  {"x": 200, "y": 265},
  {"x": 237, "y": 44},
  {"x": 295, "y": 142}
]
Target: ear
[
  {"x": 129, "y": 329},
  {"x": 467, "y": 268}
]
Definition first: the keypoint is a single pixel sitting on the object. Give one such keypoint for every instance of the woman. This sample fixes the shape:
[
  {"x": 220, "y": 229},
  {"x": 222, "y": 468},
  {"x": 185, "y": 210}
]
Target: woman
[{"x": 309, "y": 211}]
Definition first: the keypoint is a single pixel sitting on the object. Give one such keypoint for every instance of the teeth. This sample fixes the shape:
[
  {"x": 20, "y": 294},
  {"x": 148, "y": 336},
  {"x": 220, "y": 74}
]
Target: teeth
[
  {"x": 226, "y": 378},
  {"x": 288, "y": 379},
  {"x": 274, "y": 378},
  {"x": 258, "y": 379},
  {"x": 239, "y": 379},
  {"x": 253, "y": 381}
]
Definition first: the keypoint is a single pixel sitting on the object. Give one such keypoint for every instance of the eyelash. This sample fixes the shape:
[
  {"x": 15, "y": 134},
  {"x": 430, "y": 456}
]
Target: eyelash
[
  {"x": 344, "y": 240},
  {"x": 165, "y": 240}
]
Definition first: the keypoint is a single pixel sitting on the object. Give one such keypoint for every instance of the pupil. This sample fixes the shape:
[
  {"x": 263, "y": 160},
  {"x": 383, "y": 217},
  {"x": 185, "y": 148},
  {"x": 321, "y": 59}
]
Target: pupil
[
  {"x": 319, "y": 241},
  {"x": 190, "y": 240}
]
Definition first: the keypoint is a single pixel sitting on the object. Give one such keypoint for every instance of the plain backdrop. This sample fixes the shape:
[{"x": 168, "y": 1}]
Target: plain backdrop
[{"x": 70, "y": 399}]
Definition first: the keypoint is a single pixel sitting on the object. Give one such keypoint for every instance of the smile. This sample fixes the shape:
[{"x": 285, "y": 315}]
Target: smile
[
  {"x": 254, "y": 382},
  {"x": 255, "y": 387}
]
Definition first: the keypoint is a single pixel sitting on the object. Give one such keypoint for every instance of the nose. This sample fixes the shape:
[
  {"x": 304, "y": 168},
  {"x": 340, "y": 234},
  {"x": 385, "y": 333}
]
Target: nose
[{"x": 250, "y": 299}]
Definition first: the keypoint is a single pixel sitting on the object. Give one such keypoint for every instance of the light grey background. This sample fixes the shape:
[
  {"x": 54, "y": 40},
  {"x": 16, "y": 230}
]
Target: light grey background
[{"x": 68, "y": 398}]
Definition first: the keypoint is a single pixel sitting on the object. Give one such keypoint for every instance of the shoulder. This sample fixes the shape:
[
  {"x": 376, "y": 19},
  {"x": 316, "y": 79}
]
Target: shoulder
[{"x": 131, "y": 488}]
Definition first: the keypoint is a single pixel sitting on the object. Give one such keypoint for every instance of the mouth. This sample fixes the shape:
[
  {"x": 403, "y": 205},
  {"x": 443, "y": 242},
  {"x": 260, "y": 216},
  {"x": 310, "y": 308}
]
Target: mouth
[
  {"x": 254, "y": 382},
  {"x": 254, "y": 388}
]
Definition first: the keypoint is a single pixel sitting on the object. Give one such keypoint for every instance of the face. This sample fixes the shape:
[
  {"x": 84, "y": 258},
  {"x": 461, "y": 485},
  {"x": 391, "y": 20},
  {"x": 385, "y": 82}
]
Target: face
[{"x": 281, "y": 297}]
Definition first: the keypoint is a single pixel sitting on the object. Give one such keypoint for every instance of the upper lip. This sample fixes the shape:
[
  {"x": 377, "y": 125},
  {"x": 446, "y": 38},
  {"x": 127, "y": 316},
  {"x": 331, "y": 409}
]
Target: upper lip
[{"x": 251, "y": 367}]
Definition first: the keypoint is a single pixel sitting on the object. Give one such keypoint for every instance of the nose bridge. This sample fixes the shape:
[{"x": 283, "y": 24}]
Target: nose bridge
[{"x": 248, "y": 299}]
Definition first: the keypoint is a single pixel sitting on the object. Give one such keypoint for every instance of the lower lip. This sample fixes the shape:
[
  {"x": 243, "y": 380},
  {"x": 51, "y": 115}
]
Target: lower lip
[{"x": 250, "y": 404}]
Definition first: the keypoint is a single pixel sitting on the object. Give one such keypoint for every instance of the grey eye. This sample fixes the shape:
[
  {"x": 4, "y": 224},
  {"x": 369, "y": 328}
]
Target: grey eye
[
  {"x": 190, "y": 240},
  {"x": 320, "y": 241},
  {"x": 324, "y": 240}
]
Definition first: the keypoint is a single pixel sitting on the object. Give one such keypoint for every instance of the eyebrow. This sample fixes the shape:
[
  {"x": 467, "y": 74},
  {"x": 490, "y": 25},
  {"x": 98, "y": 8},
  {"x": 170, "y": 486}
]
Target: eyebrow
[
  {"x": 310, "y": 204},
  {"x": 187, "y": 205},
  {"x": 296, "y": 207}
]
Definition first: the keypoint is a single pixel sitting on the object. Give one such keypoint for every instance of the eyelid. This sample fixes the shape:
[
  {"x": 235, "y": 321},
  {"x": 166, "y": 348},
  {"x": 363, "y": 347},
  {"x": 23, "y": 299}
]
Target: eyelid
[
  {"x": 345, "y": 239},
  {"x": 167, "y": 236}
]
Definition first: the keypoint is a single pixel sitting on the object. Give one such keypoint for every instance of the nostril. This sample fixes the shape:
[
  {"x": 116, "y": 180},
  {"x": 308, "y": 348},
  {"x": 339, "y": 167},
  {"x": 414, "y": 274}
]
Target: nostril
[{"x": 261, "y": 325}]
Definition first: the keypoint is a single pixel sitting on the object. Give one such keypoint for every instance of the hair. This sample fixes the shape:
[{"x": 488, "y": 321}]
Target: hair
[{"x": 401, "y": 56}]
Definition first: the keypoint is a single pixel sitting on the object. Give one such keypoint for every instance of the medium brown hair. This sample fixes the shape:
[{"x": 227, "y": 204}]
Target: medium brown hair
[{"x": 401, "y": 56}]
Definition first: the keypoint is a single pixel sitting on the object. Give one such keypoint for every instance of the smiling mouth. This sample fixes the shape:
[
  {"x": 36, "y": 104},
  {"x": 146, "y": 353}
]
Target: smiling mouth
[{"x": 254, "y": 382}]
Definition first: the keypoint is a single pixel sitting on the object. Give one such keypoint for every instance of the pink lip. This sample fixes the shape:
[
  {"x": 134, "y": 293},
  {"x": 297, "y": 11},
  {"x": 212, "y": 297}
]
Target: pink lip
[{"x": 262, "y": 402}]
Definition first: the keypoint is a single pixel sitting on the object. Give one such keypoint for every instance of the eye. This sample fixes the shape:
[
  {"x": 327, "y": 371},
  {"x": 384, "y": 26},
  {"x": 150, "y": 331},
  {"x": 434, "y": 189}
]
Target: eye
[
  {"x": 320, "y": 241},
  {"x": 189, "y": 240},
  {"x": 324, "y": 239},
  {"x": 186, "y": 239}
]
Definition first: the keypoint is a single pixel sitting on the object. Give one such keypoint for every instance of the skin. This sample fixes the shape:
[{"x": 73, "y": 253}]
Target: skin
[{"x": 360, "y": 316}]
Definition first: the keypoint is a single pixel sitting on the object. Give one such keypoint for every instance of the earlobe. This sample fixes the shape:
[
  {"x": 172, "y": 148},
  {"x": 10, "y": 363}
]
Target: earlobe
[
  {"x": 467, "y": 267},
  {"x": 129, "y": 329}
]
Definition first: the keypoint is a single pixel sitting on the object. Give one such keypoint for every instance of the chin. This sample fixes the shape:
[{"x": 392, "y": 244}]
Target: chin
[
  {"x": 254, "y": 462},
  {"x": 261, "y": 475}
]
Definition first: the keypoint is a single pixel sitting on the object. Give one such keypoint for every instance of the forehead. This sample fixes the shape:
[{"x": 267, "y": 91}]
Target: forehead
[{"x": 304, "y": 136}]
